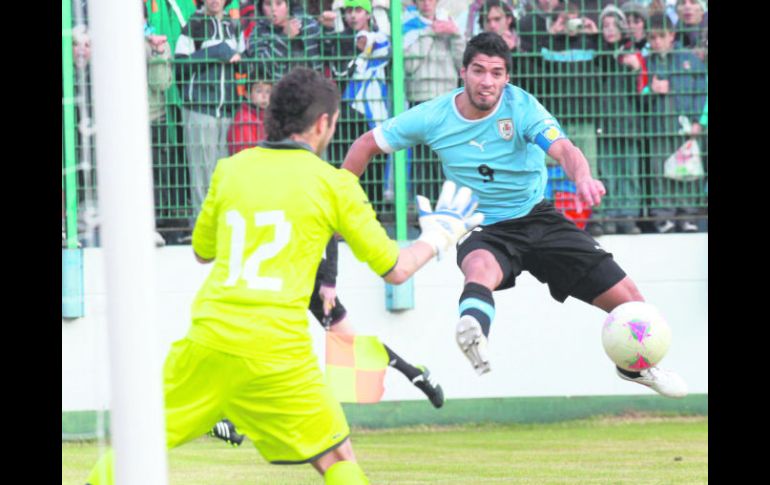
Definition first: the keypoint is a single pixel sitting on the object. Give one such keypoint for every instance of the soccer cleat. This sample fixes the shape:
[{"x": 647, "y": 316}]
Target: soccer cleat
[
  {"x": 664, "y": 382},
  {"x": 473, "y": 343},
  {"x": 688, "y": 226},
  {"x": 225, "y": 431},
  {"x": 665, "y": 227},
  {"x": 426, "y": 384}
]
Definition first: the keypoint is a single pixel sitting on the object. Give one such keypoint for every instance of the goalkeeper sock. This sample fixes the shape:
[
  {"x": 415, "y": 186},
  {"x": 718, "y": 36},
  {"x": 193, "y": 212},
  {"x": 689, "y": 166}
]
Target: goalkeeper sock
[
  {"x": 476, "y": 300},
  {"x": 345, "y": 473},
  {"x": 401, "y": 365}
]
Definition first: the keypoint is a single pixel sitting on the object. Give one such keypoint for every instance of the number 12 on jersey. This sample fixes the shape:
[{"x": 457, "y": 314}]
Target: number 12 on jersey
[{"x": 249, "y": 270}]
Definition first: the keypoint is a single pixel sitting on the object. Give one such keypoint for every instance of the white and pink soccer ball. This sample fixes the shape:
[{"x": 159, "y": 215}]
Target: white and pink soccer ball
[{"x": 636, "y": 336}]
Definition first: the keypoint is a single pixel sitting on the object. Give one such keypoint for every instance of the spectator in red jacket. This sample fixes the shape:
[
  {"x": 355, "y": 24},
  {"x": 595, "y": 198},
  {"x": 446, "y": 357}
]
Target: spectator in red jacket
[{"x": 248, "y": 127}]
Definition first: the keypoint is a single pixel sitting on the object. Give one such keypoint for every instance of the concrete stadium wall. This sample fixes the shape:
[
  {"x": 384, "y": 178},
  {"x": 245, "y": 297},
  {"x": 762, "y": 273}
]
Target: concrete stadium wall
[{"x": 538, "y": 347}]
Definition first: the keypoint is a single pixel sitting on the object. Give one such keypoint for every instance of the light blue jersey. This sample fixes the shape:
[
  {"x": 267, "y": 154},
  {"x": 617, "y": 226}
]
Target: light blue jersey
[{"x": 500, "y": 157}]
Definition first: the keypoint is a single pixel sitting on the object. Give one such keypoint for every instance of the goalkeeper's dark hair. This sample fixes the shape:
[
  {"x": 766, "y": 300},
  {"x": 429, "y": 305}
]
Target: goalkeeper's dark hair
[
  {"x": 297, "y": 101},
  {"x": 489, "y": 44}
]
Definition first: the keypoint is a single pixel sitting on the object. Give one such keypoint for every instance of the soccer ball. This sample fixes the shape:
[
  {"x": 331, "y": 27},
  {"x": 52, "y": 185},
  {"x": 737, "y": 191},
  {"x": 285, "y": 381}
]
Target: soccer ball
[{"x": 636, "y": 336}]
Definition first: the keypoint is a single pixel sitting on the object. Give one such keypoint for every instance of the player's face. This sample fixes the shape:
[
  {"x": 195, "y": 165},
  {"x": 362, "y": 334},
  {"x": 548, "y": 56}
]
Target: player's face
[{"x": 484, "y": 79}]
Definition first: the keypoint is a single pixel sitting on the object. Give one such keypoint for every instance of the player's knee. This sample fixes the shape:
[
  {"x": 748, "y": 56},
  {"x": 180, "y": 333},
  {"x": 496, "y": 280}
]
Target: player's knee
[
  {"x": 481, "y": 267},
  {"x": 623, "y": 292},
  {"x": 343, "y": 452}
]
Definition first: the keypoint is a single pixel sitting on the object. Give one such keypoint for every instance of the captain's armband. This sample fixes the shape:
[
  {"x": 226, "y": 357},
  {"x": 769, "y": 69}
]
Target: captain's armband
[{"x": 545, "y": 138}]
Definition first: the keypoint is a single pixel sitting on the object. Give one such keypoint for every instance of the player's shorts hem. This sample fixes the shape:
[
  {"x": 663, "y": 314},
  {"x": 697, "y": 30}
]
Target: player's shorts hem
[
  {"x": 600, "y": 278},
  {"x": 312, "y": 458}
]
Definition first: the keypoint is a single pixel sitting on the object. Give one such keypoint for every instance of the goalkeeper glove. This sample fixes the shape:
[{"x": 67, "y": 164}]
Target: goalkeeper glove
[{"x": 453, "y": 217}]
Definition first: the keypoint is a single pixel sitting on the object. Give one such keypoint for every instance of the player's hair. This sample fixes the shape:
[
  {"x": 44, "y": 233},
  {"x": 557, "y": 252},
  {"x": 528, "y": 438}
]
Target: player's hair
[
  {"x": 660, "y": 22},
  {"x": 297, "y": 101},
  {"x": 489, "y": 44}
]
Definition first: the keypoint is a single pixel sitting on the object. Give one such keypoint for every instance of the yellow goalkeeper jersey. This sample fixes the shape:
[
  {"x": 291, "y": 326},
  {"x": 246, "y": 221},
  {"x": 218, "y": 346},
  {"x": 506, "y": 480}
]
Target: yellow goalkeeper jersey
[{"x": 266, "y": 220}]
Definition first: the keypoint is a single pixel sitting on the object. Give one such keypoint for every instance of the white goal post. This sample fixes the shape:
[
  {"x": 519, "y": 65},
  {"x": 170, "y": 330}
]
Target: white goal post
[{"x": 119, "y": 76}]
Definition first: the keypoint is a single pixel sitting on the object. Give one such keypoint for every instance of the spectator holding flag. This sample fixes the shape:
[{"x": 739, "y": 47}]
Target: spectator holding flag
[
  {"x": 367, "y": 90},
  {"x": 362, "y": 76}
]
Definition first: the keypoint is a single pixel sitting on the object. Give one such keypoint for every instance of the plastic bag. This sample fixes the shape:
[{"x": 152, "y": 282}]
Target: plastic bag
[{"x": 685, "y": 164}]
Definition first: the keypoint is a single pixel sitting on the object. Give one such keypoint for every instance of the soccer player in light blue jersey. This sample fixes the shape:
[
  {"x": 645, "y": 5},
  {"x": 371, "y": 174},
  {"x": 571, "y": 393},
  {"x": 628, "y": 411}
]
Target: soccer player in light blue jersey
[{"x": 492, "y": 136}]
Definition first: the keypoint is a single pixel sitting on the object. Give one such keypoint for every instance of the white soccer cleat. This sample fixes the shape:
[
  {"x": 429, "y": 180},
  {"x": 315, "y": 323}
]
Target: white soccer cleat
[
  {"x": 664, "y": 382},
  {"x": 473, "y": 343}
]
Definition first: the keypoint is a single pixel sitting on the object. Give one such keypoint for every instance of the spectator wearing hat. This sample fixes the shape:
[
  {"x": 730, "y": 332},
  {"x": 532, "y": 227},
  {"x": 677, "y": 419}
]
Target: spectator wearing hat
[
  {"x": 365, "y": 93},
  {"x": 361, "y": 52},
  {"x": 636, "y": 16}
]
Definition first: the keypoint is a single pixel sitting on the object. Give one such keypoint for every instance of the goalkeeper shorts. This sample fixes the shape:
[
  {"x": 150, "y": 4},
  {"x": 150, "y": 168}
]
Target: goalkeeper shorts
[{"x": 283, "y": 405}]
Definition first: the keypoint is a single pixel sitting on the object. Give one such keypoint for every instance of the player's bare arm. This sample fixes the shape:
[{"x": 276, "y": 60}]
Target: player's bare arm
[
  {"x": 589, "y": 189},
  {"x": 410, "y": 259},
  {"x": 360, "y": 153}
]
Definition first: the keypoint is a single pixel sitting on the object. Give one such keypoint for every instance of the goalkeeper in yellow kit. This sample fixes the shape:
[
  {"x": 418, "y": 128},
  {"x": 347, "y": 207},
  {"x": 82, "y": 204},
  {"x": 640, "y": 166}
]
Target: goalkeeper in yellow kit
[{"x": 264, "y": 224}]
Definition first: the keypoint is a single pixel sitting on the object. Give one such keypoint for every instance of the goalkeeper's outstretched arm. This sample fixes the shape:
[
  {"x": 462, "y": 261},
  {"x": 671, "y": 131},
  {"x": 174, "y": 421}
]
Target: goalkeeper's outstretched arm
[{"x": 410, "y": 259}]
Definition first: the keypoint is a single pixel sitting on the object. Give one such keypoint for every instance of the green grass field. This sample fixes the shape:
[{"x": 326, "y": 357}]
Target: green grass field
[{"x": 633, "y": 450}]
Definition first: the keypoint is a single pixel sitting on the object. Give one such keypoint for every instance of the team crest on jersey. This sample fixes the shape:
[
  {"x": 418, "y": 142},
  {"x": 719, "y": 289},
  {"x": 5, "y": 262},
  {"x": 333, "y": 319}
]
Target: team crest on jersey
[{"x": 505, "y": 128}]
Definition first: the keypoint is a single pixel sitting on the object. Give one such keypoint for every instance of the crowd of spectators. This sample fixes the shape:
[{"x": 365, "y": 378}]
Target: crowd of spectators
[{"x": 626, "y": 79}]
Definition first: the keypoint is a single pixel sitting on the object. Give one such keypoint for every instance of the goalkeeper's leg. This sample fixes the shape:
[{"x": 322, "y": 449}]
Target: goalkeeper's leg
[{"x": 339, "y": 466}]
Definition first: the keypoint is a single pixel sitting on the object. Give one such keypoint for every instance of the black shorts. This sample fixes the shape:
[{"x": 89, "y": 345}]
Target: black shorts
[
  {"x": 552, "y": 248},
  {"x": 317, "y": 308}
]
